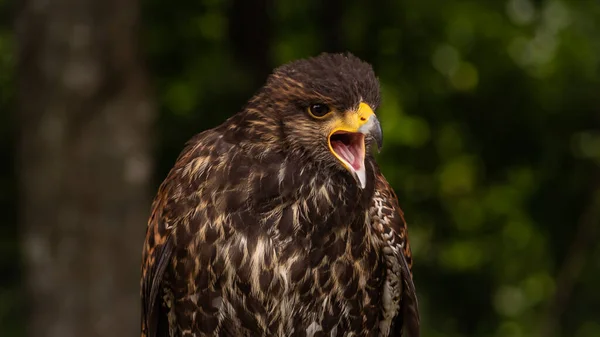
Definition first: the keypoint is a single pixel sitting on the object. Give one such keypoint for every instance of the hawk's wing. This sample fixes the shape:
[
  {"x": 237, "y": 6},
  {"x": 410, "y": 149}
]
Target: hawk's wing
[
  {"x": 157, "y": 252},
  {"x": 168, "y": 210},
  {"x": 399, "y": 286}
]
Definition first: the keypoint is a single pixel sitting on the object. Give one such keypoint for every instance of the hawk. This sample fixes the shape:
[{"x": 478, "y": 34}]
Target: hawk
[{"x": 278, "y": 222}]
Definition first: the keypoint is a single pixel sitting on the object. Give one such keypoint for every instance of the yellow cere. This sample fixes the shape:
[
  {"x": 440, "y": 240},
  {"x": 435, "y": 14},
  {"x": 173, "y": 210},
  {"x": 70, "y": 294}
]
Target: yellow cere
[{"x": 353, "y": 120}]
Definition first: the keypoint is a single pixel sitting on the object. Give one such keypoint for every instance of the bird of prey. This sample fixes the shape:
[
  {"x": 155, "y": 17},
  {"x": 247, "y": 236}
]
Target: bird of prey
[{"x": 278, "y": 222}]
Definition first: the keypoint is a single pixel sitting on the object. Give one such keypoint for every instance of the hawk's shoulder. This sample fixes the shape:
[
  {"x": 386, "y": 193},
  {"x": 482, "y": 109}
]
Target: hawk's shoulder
[
  {"x": 400, "y": 306},
  {"x": 172, "y": 220}
]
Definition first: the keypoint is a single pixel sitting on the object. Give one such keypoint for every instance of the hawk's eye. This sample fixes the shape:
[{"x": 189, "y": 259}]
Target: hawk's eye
[{"x": 319, "y": 110}]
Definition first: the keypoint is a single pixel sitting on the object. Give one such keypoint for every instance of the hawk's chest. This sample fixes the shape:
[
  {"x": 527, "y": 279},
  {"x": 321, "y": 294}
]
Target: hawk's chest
[
  {"x": 332, "y": 278},
  {"x": 309, "y": 264}
]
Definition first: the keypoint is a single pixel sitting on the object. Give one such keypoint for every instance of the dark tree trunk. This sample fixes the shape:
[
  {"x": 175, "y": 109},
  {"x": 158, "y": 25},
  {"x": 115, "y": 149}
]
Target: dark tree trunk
[
  {"x": 84, "y": 165},
  {"x": 330, "y": 21},
  {"x": 250, "y": 35}
]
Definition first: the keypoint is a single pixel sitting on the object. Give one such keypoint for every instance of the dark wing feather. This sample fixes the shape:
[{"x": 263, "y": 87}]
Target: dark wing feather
[
  {"x": 154, "y": 314},
  {"x": 390, "y": 222},
  {"x": 158, "y": 249}
]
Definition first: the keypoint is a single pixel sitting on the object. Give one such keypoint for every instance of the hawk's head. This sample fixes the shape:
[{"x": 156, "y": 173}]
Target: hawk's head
[{"x": 326, "y": 106}]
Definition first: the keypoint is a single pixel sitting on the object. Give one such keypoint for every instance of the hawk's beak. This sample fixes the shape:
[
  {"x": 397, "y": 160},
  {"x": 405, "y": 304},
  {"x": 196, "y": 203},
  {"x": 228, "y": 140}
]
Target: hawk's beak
[
  {"x": 372, "y": 129},
  {"x": 347, "y": 139}
]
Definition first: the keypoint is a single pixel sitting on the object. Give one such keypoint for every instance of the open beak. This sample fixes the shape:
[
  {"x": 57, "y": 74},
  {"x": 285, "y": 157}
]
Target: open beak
[{"x": 347, "y": 139}]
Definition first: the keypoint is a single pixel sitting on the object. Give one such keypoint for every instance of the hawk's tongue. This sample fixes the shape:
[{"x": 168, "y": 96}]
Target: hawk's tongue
[{"x": 351, "y": 153}]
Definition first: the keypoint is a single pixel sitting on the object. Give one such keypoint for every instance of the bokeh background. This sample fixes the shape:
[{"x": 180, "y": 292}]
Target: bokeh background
[{"x": 491, "y": 116}]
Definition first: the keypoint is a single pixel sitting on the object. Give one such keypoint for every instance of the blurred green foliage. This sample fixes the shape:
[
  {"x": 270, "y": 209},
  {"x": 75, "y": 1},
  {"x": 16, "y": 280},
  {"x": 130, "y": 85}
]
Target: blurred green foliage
[{"x": 491, "y": 116}]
